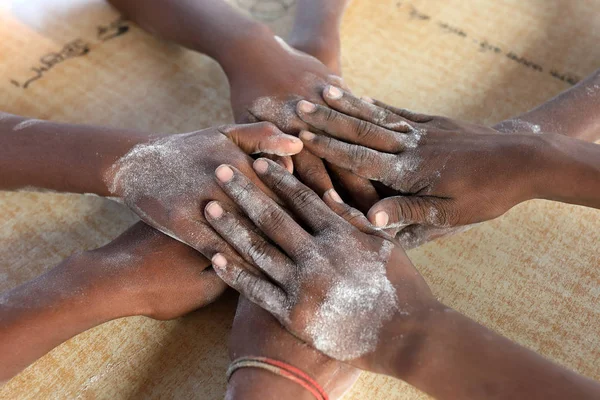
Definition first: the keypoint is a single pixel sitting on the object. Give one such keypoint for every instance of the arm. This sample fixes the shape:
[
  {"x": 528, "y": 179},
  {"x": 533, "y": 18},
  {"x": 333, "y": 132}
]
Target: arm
[
  {"x": 267, "y": 77},
  {"x": 142, "y": 272},
  {"x": 60, "y": 157},
  {"x": 212, "y": 27},
  {"x": 572, "y": 113},
  {"x": 453, "y": 357},
  {"x": 163, "y": 178},
  {"x": 443, "y": 172},
  {"x": 351, "y": 292},
  {"x": 316, "y": 30}
]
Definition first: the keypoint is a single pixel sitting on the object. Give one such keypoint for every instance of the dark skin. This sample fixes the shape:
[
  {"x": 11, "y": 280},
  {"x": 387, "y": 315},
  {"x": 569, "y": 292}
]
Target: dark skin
[
  {"x": 423, "y": 342},
  {"x": 142, "y": 272},
  {"x": 273, "y": 76},
  {"x": 270, "y": 339},
  {"x": 157, "y": 183},
  {"x": 446, "y": 173}
]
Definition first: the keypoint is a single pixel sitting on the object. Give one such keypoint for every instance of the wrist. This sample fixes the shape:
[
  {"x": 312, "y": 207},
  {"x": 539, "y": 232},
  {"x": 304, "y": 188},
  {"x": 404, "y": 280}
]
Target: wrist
[
  {"x": 119, "y": 148},
  {"x": 402, "y": 341},
  {"x": 253, "y": 383},
  {"x": 569, "y": 171},
  {"x": 87, "y": 293}
]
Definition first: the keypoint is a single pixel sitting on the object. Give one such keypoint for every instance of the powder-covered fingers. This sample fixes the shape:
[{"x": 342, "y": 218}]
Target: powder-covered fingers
[
  {"x": 254, "y": 248},
  {"x": 298, "y": 198},
  {"x": 360, "y": 160},
  {"x": 262, "y": 137},
  {"x": 350, "y": 214},
  {"x": 402, "y": 112},
  {"x": 257, "y": 289},
  {"x": 350, "y": 129},
  {"x": 271, "y": 219},
  {"x": 348, "y": 104}
]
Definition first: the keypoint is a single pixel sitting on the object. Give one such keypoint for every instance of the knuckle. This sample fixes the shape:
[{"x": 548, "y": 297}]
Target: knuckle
[
  {"x": 272, "y": 216},
  {"x": 302, "y": 197},
  {"x": 330, "y": 115},
  {"x": 364, "y": 130},
  {"x": 259, "y": 252},
  {"x": 361, "y": 155}
]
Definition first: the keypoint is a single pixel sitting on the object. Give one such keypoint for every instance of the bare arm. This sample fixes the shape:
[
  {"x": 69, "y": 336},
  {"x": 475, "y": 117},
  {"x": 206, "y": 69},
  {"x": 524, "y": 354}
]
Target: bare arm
[
  {"x": 572, "y": 113},
  {"x": 61, "y": 157},
  {"x": 365, "y": 304},
  {"x": 142, "y": 272},
  {"x": 212, "y": 27},
  {"x": 316, "y": 30}
]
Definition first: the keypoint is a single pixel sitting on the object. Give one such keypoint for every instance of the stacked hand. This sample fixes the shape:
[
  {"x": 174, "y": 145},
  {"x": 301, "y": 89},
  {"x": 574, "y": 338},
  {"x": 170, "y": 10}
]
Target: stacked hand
[
  {"x": 439, "y": 173},
  {"x": 168, "y": 181},
  {"x": 337, "y": 284},
  {"x": 268, "y": 89}
]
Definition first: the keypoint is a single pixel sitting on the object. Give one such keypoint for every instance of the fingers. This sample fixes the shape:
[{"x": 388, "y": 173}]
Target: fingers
[
  {"x": 365, "y": 110},
  {"x": 248, "y": 243},
  {"x": 361, "y": 190},
  {"x": 262, "y": 137},
  {"x": 361, "y": 160},
  {"x": 298, "y": 198},
  {"x": 409, "y": 210},
  {"x": 256, "y": 289},
  {"x": 350, "y": 129},
  {"x": 402, "y": 112},
  {"x": 312, "y": 172},
  {"x": 351, "y": 215},
  {"x": 263, "y": 211},
  {"x": 285, "y": 161}
]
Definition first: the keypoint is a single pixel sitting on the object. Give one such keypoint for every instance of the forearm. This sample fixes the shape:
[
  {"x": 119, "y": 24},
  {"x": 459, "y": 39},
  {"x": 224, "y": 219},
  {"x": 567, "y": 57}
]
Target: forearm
[
  {"x": 61, "y": 157},
  {"x": 45, "y": 312},
  {"x": 459, "y": 358},
  {"x": 572, "y": 113},
  {"x": 316, "y": 30},
  {"x": 212, "y": 27},
  {"x": 317, "y": 18},
  {"x": 571, "y": 171}
]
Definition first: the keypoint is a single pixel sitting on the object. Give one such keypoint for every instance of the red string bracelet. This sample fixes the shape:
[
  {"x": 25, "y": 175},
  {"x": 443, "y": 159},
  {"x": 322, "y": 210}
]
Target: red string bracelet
[{"x": 282, "y": 369}]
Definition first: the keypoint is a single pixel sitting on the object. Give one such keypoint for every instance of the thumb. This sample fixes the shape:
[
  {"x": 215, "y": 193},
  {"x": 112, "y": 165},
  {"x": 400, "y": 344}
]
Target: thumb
[
  {"x": 400, "y": 211},
  {"x": 262, "y": 137}
]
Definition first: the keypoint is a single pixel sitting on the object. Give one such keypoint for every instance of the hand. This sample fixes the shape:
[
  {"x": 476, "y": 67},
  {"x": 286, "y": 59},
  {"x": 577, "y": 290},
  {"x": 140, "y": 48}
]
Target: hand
[
  {"x": 270, "y": 339},
  {"x": 446, "y": 173},
  {"x": 268, "y": 86},
  {"x": 153, "y": 274},
  {"x": 339, "y": 286},
  {"x": 167, "y": 182}
]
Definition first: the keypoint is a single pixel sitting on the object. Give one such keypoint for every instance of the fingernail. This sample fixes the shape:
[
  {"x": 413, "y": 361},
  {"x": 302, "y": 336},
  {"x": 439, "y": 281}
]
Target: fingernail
[
  {"x": 214, "y": 210},
  {"x": 224, "y": 173},
  {"x": 381, "y": 219},
  {"x": 261, "y": 166},
  {"x": 335, "y": 196},
  {"x": 333, "y": 93},
  {"x": 367, "y": 99},
  {"x": 306, "y": 107},
  {"x": 306, "y": 135},
  {"x": 219, "y": 261}
]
